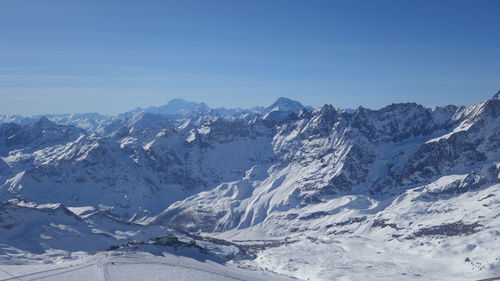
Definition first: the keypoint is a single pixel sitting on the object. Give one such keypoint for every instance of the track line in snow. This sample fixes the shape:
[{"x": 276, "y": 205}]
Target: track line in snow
[
  {"x": 182, "y": 266},
  {"x": 59, "y": 273},
  {"x": 10, "y": 274},
  {"x": 105, "y": 272},
  {"x": 55, "y": 270},
  {"x": 100, "y": 272},
  {"x": 103, "y": 268}
]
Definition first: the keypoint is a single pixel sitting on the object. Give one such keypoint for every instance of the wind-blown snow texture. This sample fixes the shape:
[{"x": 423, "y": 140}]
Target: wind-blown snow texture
[{"x": 404, "y": 192}]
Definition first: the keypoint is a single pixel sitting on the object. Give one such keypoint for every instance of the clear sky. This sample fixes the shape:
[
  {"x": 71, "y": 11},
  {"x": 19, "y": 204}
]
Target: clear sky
[{"x": 110, "y": 56}]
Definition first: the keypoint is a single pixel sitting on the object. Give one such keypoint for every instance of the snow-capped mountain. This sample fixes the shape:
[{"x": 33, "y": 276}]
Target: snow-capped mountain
[
  {"x": 282, "y": 108},
  {"x": 176, "y": 107},
  {"x": 404, "y": 178},
  {"x": 180, "y": 107},
  {"x": 325, "y": 154},
  {"x": 91, "y": 122}
]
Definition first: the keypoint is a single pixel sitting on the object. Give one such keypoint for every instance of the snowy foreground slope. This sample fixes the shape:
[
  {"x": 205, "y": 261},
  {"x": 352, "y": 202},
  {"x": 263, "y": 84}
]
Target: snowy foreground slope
[
  {"x": 135, "y": 266},
  {"x": 184, "y": 191}
]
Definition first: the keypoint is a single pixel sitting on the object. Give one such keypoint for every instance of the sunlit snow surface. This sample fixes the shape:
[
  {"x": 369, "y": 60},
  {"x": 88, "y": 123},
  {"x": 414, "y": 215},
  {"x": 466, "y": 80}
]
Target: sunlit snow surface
[
  {"x": 132, "y": 267},
  {"x": 368, "y": 252}
]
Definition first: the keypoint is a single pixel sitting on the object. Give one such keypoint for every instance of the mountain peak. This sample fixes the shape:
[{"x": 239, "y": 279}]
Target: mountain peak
[
  {"x": 179, "y": 106},
  {"x": 44, "y": 122},
  {"x": 183, "y": 102},
  {"x": 286, "y": 104},
  {"x": 282, "y": 108},
  {"x": 284, "y": 99}
]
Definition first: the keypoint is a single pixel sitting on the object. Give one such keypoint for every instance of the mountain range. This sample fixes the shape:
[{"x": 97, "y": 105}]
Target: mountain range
[{"x": 405, "y": 192}]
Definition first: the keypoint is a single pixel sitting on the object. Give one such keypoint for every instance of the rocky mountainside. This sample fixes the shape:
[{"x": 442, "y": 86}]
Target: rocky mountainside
[
  {"x": 325, "y": 154},
  {"x": 420, "y": 179}
]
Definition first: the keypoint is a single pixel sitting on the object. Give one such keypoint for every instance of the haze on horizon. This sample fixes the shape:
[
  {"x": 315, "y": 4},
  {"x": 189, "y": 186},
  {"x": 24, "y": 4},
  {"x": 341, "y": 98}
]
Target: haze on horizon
[{"x": 60, "y": 56}]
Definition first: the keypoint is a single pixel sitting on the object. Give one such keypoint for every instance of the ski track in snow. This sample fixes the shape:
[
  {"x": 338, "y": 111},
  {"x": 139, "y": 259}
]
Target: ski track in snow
[
  {"x": 106, "y": 272},
  {"x": 113, "y": 270},
  {"x": 51, "y": 273}
]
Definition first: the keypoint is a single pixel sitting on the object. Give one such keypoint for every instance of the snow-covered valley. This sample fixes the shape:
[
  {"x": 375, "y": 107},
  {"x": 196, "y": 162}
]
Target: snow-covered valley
[{"x": 187, "y": 192}]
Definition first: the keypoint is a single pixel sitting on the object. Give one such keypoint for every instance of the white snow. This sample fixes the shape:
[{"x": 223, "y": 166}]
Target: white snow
[
  {"x": 132, "y": 266},
  {"x": 462, "y": 127}
]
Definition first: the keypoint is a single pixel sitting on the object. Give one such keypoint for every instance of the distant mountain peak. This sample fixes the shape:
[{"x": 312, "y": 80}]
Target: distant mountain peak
[
  {"x": 286, "y": 104},
  {"x": 183, "y": 102},
  {"x": 178, "y": 106},
  {"x": 282, "y": 108},
  {"x": 284, "y": 99},
  {"x": 44, "y": 122}
]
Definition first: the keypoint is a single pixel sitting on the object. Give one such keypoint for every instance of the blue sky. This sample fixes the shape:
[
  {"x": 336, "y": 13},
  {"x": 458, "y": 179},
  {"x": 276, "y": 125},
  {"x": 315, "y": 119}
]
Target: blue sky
[{"x": 110, "y": 56}]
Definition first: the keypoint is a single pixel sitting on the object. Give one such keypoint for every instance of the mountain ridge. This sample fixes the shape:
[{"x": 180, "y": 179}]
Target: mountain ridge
[{"x": 407, "y": 175}]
